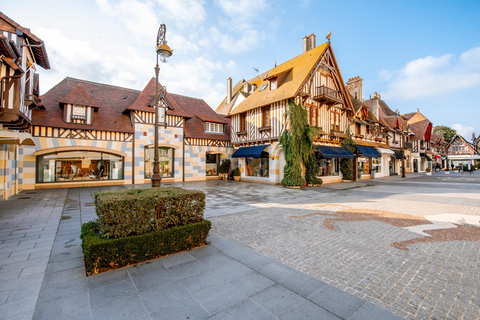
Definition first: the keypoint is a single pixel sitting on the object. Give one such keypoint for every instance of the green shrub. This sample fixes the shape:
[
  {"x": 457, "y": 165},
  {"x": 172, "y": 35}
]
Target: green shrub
[
  {"x": 225, "y": 166},
  {"x": 139, "y": 211},
  {"x": 312, "y": 171},
  {"x": 236, "y": 172},
  {"x": 101, "y": 254}
]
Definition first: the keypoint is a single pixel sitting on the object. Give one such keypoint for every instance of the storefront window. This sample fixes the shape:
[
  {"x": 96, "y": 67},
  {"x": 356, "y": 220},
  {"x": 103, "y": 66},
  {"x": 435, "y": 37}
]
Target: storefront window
[
  {"x": 165, "y": 158},
  {"x": 257, "y": 167},
  {"x": 363, "y": 165},
  {"x": 328, "y": 166},
  {"x": 212, "y": 164},
  {"x": 79, "y": 165}
]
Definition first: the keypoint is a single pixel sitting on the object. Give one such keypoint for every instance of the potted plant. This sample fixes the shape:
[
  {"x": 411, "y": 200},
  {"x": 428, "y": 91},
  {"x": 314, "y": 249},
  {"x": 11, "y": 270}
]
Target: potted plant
[
  {"x": 429, "y": 172},
  {"x": 447, "y": 170},
  {"x": 236, "y": 174},
  {"x": 224, "y": 168}
]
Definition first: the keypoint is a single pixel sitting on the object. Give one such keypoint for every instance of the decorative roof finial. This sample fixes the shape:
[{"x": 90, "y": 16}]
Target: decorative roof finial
[{"x": 329, "y": 35}]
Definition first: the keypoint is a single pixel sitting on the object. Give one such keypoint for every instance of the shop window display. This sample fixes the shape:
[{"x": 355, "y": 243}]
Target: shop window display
[
  {"x": 328, "y": 167},
  {"x": 212, "y": 164},
  {"x": 257, "y": 167},
  {"x": 165, "y": 162},
  {"x": 79, "y": 165}
]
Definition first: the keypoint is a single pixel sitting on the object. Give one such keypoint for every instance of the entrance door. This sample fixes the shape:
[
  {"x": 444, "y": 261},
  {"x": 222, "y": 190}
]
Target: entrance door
[{"x": 415, "y": 165}]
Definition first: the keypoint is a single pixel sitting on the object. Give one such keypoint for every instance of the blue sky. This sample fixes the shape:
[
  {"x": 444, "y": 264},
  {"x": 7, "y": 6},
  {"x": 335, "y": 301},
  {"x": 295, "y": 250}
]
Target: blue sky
[{"x": 416, "y": 54}]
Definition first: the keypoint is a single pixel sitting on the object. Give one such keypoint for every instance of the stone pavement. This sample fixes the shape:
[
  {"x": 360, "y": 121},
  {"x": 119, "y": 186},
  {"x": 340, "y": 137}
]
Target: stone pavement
[
  {"x": 42, "y": 273},
  {"x": 223, "y": 280},
  {"x": 429, "y": 280}
]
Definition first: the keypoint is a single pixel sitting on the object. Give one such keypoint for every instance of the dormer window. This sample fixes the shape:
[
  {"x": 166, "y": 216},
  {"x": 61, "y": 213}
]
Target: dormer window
[
  {"x": 79, "y": 112},
  {"x": 211, "y": 127},
  {"x": 273, "y": 84}
]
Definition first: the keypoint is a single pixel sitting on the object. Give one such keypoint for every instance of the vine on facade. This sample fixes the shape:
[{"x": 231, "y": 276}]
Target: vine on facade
[{"x": 297, "y": 142}]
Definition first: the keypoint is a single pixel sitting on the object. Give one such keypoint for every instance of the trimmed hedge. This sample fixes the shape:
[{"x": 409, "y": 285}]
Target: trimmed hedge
[
  {"x": 102, "y": 254},
  {"x": 139, "y": 211}
]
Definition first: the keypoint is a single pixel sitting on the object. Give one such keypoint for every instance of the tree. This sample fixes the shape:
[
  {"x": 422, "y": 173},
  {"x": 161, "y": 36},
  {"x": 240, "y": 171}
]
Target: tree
[
  {"x": 446, "y": 132},
  {"x": 346, "y": 165},
  {"x": 297, "y": 143}
]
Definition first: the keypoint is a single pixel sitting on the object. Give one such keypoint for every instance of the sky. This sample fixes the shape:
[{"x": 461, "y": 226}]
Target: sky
[{"x": 421, "y": 55}]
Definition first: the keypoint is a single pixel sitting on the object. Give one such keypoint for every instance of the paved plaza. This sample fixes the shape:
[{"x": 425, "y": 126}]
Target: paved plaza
[{"x": 382, "y": 248}]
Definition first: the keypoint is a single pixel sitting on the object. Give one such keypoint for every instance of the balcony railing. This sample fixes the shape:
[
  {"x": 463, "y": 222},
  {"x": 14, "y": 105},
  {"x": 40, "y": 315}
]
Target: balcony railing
[{"x": 327, "y": 95}]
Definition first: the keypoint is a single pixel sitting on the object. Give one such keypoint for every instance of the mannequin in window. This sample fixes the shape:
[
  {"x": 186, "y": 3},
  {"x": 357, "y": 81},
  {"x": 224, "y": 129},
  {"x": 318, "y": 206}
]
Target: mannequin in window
[
  {"x": 74, "y": 171},
  {"x": 101, "y": 168}
]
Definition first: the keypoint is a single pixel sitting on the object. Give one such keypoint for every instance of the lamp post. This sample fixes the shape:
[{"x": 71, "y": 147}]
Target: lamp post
[{"x": 164, "y": 52}]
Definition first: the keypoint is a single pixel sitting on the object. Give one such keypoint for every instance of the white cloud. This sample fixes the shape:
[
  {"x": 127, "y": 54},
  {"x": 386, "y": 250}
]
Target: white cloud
[
  {"x": 138, "y": 17},
  {"x": 196, "y": 78},
  {"x": 187, "y": 12},
  {"x": 471, "y": 58},
  {"x": 464, "y": 131},
  {"x": 242, "y": 13},
  {"x": 248, "y": 40},
  {"x": 433, "y": 76}
]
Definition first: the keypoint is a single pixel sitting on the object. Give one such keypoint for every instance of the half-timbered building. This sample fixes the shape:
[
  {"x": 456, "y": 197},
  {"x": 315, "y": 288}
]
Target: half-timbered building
[
  {"x": 90, "y": 133},
  {"x": 421, "y": 151},
  {"x": 20, "y": 54},
  {"x": 257, "y": 110},
  {"x": 461, "y": 153}
]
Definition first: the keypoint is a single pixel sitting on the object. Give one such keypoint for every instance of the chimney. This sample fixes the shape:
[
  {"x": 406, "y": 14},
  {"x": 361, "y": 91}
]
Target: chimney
[
  {"x": 246, "y": 87},
  {"x": 308, "y": 42},
  {"x": 229, "y": 90},
  {"x": 354, "y": 86}
]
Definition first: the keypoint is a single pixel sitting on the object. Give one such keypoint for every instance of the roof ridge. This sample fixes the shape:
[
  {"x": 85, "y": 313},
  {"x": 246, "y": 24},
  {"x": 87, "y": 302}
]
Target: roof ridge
[
  {"x": 182, "y": 95},
  {"x": 102, "y": 84}
]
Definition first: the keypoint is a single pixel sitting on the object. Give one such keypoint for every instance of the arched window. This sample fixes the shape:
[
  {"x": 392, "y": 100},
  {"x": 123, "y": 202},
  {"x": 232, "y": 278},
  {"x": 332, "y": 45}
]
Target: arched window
[{"x": 78, "y": 165}]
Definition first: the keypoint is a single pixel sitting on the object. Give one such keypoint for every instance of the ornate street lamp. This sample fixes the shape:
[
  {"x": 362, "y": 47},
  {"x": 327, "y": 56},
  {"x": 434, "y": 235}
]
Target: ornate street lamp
[{"x": 163, "y": 52}]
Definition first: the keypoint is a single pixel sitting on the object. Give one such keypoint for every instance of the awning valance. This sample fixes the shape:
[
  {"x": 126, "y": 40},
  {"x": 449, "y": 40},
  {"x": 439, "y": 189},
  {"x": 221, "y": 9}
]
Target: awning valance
[
  {"x": 385, "y": 151},
  {"x": 251, "y": 152},
  {"x": 335, "y": 152},
  {"x": 425, "y": 156},
  {"x": 369, "y": 152}
]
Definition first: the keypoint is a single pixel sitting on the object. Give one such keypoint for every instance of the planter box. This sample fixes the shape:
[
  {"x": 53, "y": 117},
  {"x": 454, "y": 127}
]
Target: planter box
[
  {"x": 347, "y": 180},
  {"x": 237, "y": 178},
  {"x": 429, "y": 173},
  {"x": 447, "y": 172}
]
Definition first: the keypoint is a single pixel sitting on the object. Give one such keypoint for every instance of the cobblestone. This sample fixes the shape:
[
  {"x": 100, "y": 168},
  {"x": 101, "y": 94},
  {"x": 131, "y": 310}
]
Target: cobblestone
[{"x": 431, "y": 280}]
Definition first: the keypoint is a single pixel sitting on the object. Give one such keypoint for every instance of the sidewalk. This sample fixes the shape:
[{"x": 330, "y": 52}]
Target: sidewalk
[{"x": 42, "y": 274}]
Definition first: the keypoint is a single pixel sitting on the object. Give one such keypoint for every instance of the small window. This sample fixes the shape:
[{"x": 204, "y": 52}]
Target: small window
[
  {"x": 213, "y": 127},
  {"x": 242, "y": 122},
  {"x": 263, "y": 87},
  {"x": 266, "y": 117},
  {"x": 273, "y": 84}
]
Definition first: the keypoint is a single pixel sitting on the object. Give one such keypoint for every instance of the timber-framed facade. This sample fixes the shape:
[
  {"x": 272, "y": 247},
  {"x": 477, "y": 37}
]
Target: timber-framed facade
[{"x": 114, "y": 142}]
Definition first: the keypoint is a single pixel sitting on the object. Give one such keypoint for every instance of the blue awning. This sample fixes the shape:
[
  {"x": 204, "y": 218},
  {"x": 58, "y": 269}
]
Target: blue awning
[
  {"x": 251, "y": 152},
  {"x": 335, "y": 152},
  {"x": 425, "y": 156},
  {"x": 369, "y": 152}
]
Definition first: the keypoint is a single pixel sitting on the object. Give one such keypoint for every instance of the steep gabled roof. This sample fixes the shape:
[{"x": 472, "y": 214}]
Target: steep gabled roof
[
  {"x": 40, "y": 52},
  {"x": 465, "y": 142},
  {"x": 396, "y": 122},
  {"x": 200, "y": 112},
  {"x": 111, "y": 100},
  {"x": 146, "y": 101},
  {"x": 79, "y": 96},
  {"x": 294, "y": 73}
]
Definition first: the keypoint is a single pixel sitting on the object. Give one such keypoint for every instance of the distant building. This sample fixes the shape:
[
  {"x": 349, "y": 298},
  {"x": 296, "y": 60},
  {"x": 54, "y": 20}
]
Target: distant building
[{"x": 459, "y": 150}]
